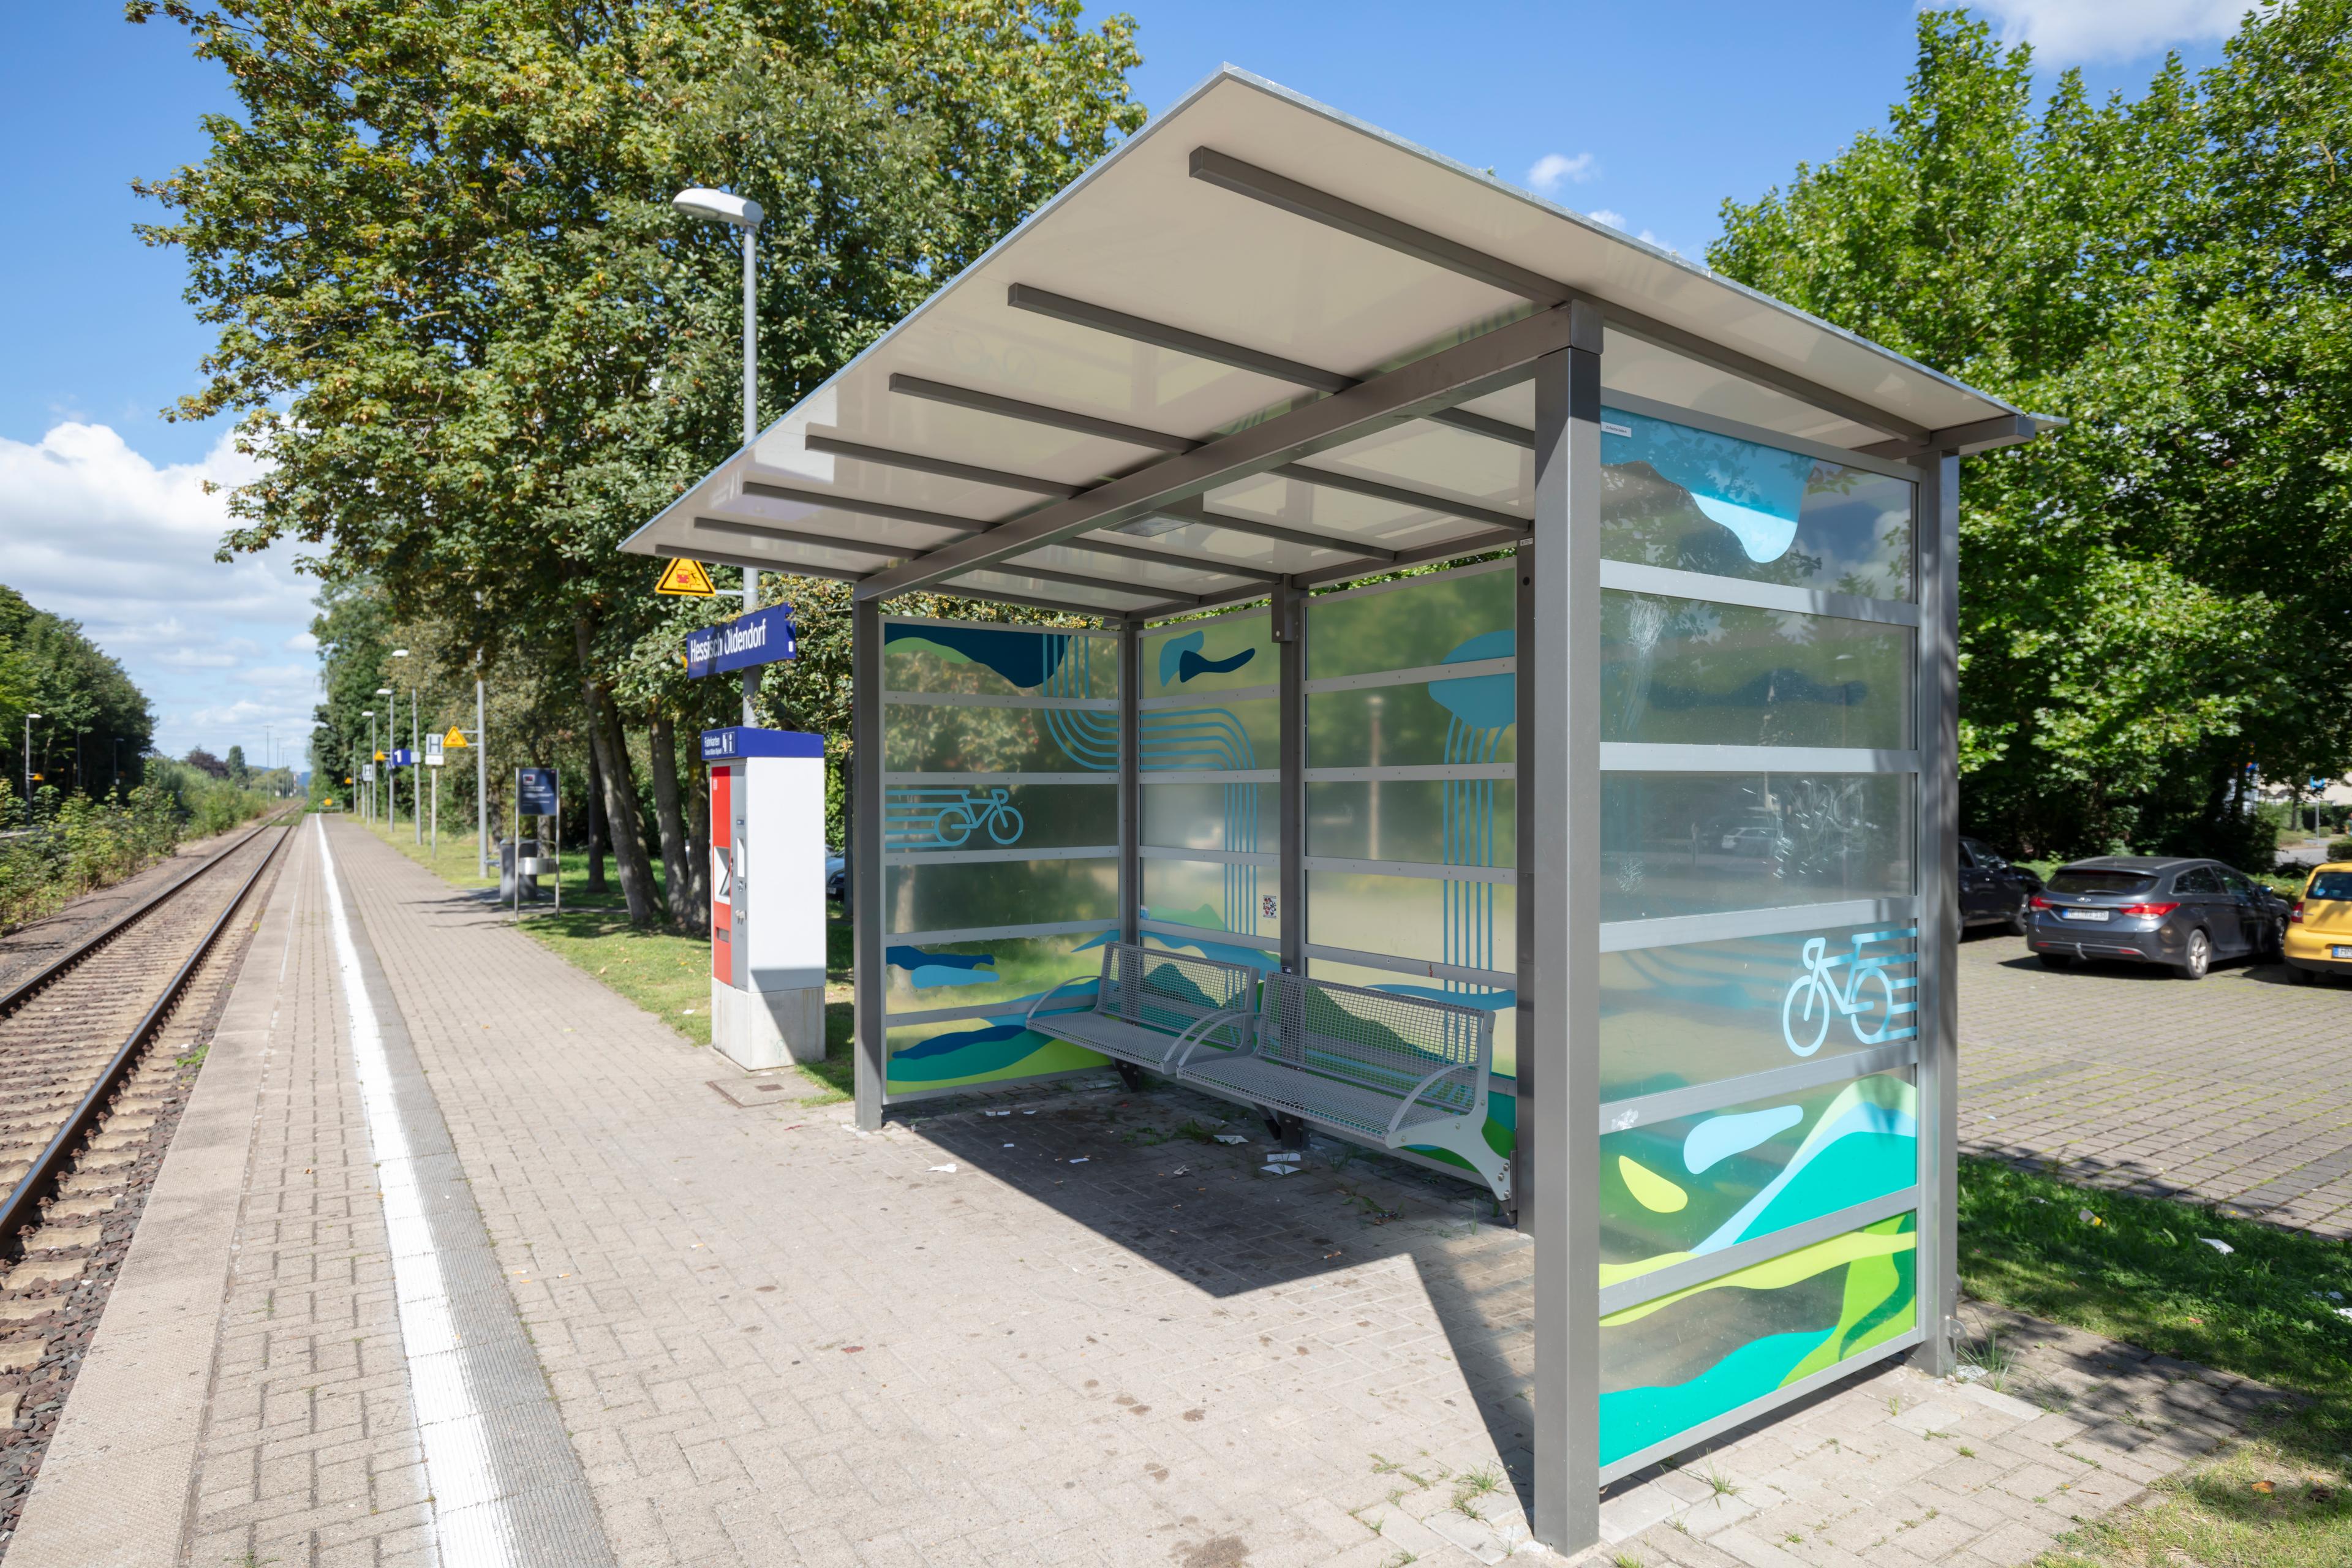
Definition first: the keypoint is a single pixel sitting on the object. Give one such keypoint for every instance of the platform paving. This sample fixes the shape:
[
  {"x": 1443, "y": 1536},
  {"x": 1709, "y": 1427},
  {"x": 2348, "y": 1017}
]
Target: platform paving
[{"x": 1041, "y": 1329}]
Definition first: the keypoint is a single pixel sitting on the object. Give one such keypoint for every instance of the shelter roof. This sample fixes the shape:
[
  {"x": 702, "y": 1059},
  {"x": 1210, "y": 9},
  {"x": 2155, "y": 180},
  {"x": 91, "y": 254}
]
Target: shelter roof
[{"x": 1262, "y": 339}]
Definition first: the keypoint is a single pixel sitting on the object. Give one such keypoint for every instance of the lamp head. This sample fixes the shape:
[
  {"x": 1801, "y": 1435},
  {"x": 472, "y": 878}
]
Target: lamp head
[
  {"x": 400, "y": 653},
  {"x": 383, "y": 691},
  {"x": 703, "y": 202}
]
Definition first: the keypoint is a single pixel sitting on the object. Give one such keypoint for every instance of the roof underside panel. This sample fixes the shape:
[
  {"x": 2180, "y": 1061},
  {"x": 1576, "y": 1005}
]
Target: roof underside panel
[{"x": 1151, "y": 310}]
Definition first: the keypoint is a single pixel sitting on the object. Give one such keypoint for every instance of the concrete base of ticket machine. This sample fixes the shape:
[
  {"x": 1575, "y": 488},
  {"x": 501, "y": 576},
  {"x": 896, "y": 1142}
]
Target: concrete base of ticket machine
[{"x": 767, "y": 895}]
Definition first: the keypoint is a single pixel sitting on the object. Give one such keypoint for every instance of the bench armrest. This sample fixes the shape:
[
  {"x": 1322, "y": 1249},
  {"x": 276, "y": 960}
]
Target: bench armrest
[
  {"x": 1198, "y": 1030},
  {"x": 1026, "y": 1018},
  {"x": 1412, "y": 1097}
]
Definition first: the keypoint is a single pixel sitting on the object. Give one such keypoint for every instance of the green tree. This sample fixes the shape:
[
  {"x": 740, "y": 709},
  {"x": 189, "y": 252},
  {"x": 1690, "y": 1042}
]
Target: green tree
[
  {"x": 472, "y": 340},
  {"x": 2154, "y": 597},
  {"x": 92, "y": 714}
]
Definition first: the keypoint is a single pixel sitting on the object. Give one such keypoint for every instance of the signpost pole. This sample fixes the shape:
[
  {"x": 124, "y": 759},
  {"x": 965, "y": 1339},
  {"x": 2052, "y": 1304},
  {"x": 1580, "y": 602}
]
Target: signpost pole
[
  {"x": 559, "y": 844},
  {"x": 415, "y": 742},
  {"x": 481, "y": 775}
]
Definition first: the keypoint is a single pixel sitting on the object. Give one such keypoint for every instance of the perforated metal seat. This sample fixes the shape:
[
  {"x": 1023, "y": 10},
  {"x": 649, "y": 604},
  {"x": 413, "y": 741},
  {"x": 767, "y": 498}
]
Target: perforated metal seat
[
  {"x": 1153, "y": 1008},
  {"x": 1403, "y": 1071}
]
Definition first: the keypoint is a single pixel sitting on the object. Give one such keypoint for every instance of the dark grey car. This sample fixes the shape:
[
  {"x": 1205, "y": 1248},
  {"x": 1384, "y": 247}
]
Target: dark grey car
[{"x": 2155, "y": 910}]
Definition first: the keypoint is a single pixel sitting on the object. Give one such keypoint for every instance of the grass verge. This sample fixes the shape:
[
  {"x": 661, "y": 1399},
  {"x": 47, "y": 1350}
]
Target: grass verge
[
  {"x": 661, "y": 969},
  {"x": 2143, "y": 1270}
]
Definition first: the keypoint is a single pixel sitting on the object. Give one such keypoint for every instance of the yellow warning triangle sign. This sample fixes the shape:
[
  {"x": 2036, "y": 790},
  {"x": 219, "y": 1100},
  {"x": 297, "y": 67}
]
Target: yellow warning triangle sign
[
  {"x": 685, "y": 577},
  {"x": 454, "y": 739},
  {"x": 379, "y": 756}
]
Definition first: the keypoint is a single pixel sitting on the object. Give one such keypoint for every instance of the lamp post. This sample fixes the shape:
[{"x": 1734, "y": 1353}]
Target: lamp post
[
  {"x": 743, "y": 216},
  {"x": 415, "y": 807},
  {"x": 367, "y": 776},
  {"x": 391, "y": 733},
  {"x": 28, "y": 767}
]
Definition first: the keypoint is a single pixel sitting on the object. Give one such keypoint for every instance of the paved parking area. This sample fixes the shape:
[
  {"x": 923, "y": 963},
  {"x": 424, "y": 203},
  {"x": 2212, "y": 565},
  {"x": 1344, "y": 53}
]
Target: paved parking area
[{"x": 2234, "y": 1090}]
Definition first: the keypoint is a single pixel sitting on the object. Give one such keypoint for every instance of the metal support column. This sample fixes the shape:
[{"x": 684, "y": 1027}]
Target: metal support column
[
  {"x": 1562, "y": 768},
  {"x": 1939, "y": 903},
  {"x": 1289, "y": 614},
  {"x": 1130, "y": 790},
  {"x": 1524, "y": 837},
  {"x": 866, "y": 870}
]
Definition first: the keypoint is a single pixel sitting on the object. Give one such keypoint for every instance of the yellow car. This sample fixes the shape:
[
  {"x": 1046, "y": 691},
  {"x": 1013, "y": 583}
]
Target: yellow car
[{"x": 2319, "y": 927}]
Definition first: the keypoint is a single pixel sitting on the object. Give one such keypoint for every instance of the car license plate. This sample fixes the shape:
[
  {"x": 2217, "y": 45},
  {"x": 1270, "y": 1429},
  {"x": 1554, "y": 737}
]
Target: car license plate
[
  {"x": 2087, "y": 914},
  {"x": 2339, "y": 951}
]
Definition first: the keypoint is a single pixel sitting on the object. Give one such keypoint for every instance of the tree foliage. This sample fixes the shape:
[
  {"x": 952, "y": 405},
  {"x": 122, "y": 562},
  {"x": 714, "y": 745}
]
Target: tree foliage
[
  {"x": 2158, "y": 595},
  {"x": 49, "y": 665}
]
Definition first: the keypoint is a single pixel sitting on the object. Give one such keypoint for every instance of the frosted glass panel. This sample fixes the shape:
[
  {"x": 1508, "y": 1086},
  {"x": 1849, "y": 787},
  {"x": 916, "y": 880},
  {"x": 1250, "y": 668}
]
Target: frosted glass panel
[
  {"x": 1666, "y": 1366},
  {"x": 1212, "y": 897},
  {"x": 1217, "y": 656},
  {"x": 924, "y": 737},
  {"x": 1223, "y": 735},
  {"x": 1471, "y": 720},
  {"x": 1697, "y": 1184},
  {"x": 1688, "y": 844},
  {"x": 1698, "y": 673},
  {"x": 1703, "y": 1011},
  {"x": 997, "y": 661},
  {"x": 1207, "y": 945},
  {"x": 1445, "y": 618},
  {"x": 964, "y": 1052},
  {"x": 1238, "y": 816},
  {"x": 1000, "y": 969},
  {"x": 1473, "y": 924},
  {"x": 994, "y": 893},
  {"x": 1676, "y": 497},
  {"x": 1000, "y": 817},
  {"x": 1444, "y": 822}
]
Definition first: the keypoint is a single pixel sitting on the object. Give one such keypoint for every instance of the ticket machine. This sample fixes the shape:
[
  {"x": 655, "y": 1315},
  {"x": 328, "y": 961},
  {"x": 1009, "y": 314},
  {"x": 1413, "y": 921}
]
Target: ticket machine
[{"x": 767, "y": 895}]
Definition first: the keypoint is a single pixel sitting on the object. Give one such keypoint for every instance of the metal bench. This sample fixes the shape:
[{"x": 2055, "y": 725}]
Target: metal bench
[
  {"x": 1397, "y": 1071},
  {"x": 1153, "y": 1009}
]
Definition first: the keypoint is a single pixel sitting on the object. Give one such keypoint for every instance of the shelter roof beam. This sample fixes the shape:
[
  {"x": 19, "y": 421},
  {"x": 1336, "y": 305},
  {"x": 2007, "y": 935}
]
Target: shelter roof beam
[
  {"x": 1037, "y": 413},
  {"x": 785, "y": 568},
  {"x": 1128, "y": 551},
  {"x": 740, "y": 529},
  {"x": 1466, "y": 370},
  {"x": 946, "y": 469},
  {"x": 1081, "y": 580},
  {"x": 1305, "y": 201},
  {"x": 836, "y": 501}
]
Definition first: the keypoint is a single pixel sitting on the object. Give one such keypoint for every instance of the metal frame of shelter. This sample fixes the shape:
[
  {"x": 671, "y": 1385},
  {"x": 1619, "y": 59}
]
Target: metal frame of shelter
[{"x": 1263, "y": 351}]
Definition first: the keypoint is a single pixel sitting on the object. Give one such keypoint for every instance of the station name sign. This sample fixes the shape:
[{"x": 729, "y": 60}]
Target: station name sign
[{"x": 762, "y": 637}]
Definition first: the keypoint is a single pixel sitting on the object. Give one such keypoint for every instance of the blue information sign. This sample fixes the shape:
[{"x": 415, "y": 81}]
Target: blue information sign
[
  {"x": 763, "y": 636},
  {"x": 535, "y": 791},
  {"x": 401, "y": 757}
]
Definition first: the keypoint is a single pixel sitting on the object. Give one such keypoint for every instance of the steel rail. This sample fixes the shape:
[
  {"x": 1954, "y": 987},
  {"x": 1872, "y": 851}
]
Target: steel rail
[
  {"x": 15, "y": 995},
  {"x": 22, "y": 1209}
]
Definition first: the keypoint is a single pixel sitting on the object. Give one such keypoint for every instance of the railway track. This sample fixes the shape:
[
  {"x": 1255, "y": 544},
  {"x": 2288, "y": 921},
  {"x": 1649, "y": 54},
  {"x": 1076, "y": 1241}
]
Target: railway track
[{"x": 98, "y": 1050}]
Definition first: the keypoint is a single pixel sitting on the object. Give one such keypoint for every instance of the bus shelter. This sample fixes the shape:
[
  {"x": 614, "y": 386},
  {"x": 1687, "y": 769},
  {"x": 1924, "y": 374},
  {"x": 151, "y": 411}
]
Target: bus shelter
[{"x": 1478, "y": 606}]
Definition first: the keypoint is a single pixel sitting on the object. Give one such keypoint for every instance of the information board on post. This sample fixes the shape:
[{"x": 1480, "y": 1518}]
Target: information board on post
[
  {"x": 434, "y": 756},
  {"x": 761, "y": 636},
  {"x": 535, "y": 791}
]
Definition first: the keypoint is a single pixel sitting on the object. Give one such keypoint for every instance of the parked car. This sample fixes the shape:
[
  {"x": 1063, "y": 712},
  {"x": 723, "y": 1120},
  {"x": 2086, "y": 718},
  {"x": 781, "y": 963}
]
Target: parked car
[
  {"x": 2319, "y": 925},
  {"x": 2155, "y": 910},
  {"x": 1993, "y": 891},
  {"x": 836, "y": 876}
]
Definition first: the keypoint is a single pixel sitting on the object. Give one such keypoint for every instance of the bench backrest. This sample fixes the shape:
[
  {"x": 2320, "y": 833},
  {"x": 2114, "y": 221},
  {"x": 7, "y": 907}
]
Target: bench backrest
[
  {"x": 1379, "y": 1039},
  {"x": 1170, "y": 991}
]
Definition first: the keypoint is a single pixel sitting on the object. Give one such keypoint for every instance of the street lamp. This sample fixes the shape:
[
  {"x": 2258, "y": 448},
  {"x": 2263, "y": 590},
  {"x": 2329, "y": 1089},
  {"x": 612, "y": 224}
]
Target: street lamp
[
  {"x": 415, "y": 751},
  {"x": 392, "y": 733},
  {"x": 28, "y": 767},
  {"x": 743, "y": 216},
  {"x": 368, "y": 778}
]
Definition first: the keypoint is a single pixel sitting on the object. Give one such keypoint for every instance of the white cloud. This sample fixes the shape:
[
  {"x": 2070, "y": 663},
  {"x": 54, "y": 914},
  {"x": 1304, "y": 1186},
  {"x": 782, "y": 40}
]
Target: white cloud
[
  {"x": 2070, "y": 31},
  {"x": 92, "y": 530},
  {"x": 1554, "y": 169},
  {"x": 1603, "y": 214}
]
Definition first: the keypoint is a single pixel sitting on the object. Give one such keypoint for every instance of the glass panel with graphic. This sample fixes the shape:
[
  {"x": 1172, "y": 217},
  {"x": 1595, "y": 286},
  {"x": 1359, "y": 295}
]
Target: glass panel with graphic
[
  {"x": 1700, "y": 1012},
  {"x": 1441, "y": 822},
  {"x": 1677, "y": 496},
  {"x": 922, "y": 976},
  {"x": 1691, "y": 1186},
  {"x": 1226, "y": 653},
  {"x": 991, "y": 816},
  {"x": 1242, "y": 816},
  {"x": 1473, "y": 924},
  {"x": 1670, "y": 1364},
  {"x": 1684, "y": 670},
  {"x": 1210, "y": 897},
  {"x": 1427, "y": 620},
  {"x": 1694, "y": 844},
  {"x": 967, "y": 700}
]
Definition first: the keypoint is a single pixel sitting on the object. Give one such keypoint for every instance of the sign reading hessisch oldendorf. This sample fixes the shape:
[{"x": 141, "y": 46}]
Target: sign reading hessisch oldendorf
[{"x": 762, "y": 637}]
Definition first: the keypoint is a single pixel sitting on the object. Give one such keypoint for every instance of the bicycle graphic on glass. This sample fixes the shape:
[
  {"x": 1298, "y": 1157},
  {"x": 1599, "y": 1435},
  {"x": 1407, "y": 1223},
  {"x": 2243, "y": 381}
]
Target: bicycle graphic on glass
[
  {"x": 1870, "y": 1000},
  {"x": 952, "y": 816}
]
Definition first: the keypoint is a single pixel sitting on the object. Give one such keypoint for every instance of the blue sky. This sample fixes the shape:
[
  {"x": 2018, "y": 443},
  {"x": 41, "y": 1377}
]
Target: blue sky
[{"x": 1654, "y": 113}]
